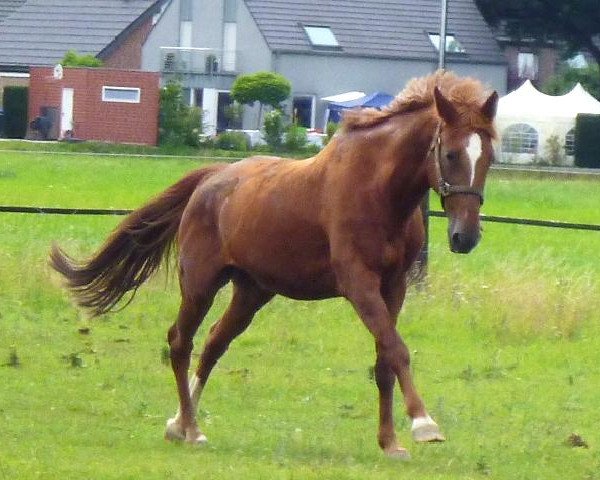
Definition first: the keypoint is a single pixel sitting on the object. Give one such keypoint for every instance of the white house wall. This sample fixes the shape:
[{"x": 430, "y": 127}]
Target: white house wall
[
  {"x": 322, "y": 76},
  {"x": 164, "y": 34}
]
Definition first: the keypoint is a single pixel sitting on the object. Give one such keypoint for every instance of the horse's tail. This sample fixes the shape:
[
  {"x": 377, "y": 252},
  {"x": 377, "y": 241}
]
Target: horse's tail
[{"x": 132, "y": 252}]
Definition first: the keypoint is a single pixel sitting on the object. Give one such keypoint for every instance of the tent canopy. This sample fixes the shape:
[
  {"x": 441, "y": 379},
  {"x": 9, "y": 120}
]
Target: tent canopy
[
  {"x": 374, "y": 100},
  {"x": 344, "y": 97},
  {"x": 528, "y": 102}
]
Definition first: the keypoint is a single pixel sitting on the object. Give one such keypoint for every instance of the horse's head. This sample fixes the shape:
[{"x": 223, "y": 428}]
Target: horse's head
[{"x": 459, "y": 159}]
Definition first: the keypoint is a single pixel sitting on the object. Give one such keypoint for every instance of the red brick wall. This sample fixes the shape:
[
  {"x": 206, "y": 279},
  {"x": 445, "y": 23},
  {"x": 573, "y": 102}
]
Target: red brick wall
[
  {"x": 129, "y": 53},
  {"x": 94, "y": 119}
]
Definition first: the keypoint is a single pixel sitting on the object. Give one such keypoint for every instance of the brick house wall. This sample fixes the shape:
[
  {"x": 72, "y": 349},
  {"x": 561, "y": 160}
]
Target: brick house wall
[
  {"x": 93, "y": 118},
  {"x": 547, "y": 58},
  {"x": 128, "y": 55}
]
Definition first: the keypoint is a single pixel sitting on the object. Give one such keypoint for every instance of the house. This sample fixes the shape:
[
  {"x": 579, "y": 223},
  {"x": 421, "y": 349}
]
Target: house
[
  {"x": 323, "y": 48},
  {"x": 40, "y": 32},
  {"x": 528, "y": 58}
]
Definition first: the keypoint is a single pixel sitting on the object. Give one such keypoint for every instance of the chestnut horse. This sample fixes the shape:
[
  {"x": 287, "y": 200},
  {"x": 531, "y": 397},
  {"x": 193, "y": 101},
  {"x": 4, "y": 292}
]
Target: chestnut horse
[{"x": 344, "y": 223}]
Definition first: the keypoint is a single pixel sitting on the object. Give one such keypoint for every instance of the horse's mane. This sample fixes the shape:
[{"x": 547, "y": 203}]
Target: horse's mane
[{"x": 466, "y": 94}]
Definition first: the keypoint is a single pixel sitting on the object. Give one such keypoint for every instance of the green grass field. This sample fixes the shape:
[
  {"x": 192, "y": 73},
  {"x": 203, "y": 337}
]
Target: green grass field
[{"x": 505, "y": 346}]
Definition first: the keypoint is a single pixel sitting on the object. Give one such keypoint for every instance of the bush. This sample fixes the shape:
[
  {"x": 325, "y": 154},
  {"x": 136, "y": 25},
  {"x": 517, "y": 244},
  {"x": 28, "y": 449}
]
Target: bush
[
  {"x": 15, "y": 101},
  {"x": 330, "y": 131},
  {"x": 295, "y": 137},
  {"x": 587, "y": 147},
  {"x": 232, "y": 141},
  {"x": 273, "y": 129},
  {"x": 73, "y": 59},
  {"x": 566, "y": 79},
  {"x": 180, "y": 124},
  {"x": 554, "y": 151}
]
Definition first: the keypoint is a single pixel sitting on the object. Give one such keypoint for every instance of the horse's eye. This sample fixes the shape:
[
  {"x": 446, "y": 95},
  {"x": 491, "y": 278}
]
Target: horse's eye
[{"x": 452, "y": 156}]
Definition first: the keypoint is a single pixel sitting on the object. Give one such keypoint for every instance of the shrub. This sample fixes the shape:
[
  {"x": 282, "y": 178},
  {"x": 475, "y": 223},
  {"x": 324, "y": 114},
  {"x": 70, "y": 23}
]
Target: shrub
[
  {"x": 330, "y": 131},
  {"x": 554, "y": 151},
  {"x": 232, "y": 141},
  {"x": 273, "y": 129},
  {"x": 15, "y": 101},
  {"x": 73, "y": 59},
  {"x": 295, "y": 137},
  {"x": 180, "y": 124}
]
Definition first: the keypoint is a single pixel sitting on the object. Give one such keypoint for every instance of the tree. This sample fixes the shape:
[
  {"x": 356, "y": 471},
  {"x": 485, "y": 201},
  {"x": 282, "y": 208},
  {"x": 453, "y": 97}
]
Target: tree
[
  {"x": 267, "y": 88},
  {"x": 574, "y": 22},
  {"x": 566, "y": 79},
  {"x": 73, "y": 59},
  {"x": 180, "y": 124}
]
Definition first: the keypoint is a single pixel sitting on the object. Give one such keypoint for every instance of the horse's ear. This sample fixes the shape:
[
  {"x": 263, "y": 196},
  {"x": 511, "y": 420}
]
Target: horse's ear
[
  {"x": 445, "y": 109},
  {"x": 490, "y": 106}
]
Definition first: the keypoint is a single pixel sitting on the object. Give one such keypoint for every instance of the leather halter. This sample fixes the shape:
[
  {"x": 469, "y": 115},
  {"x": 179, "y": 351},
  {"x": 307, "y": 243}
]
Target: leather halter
[{"x": 446, "y": 190}]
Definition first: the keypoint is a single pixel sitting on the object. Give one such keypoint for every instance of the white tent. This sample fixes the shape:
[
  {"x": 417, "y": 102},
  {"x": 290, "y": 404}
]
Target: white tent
[{"x": 530, "y": 122}]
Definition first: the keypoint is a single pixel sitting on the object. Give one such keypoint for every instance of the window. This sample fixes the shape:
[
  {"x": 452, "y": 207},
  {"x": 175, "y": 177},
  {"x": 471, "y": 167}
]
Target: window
[
  {"x": 320, "y": 36},
  {"x": 527, "y": 64},
  {"x": 452, "y": 43},
  {"x": 570, "y": 142},
  {"x": 121, "y": 94},
  {"x": 520, "y": 138}
]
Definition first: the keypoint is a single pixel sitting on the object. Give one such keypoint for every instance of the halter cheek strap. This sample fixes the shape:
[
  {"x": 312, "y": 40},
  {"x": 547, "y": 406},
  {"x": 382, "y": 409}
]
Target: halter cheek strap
[{"x": 445, "y": 189}]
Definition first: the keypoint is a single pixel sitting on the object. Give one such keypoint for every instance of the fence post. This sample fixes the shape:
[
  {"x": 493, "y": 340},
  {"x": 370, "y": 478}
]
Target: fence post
[{"x": 424, "y": 255}]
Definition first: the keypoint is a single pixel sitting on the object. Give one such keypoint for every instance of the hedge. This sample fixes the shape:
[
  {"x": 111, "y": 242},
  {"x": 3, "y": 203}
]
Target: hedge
[
  {"x": 587, "y": 141},
  {"x": 15, "y": 102}
]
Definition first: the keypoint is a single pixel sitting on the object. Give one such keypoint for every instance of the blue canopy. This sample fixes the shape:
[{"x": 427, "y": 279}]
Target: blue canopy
[{"x": 374, "y": 100}]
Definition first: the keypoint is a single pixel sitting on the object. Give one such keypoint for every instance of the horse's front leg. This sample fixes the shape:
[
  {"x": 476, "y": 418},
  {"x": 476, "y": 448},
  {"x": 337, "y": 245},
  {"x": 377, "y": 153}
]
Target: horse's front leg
[
  {"x": 362, "y": 287},
  {"x": 424, "y": 429}
]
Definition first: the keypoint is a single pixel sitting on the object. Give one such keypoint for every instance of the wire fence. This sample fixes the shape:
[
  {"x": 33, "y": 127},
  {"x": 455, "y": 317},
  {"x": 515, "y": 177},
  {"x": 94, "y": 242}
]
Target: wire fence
[{"x": 432, "y": 213}]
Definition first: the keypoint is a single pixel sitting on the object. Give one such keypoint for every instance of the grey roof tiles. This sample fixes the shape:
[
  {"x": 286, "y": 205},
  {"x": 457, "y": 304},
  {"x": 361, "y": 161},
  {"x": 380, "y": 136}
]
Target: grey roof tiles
[
  {"x": 398, "y": 29},
  {"x": 41, "y": 31}
]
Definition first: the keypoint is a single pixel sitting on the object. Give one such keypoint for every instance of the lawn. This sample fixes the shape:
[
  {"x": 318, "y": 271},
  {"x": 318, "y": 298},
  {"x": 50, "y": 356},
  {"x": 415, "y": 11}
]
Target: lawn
[{"x": 505, "y": 346}]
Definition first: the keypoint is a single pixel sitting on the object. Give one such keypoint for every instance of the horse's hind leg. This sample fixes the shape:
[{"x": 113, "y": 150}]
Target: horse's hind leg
[
  {"x": 201, "y": 276},
  {"x": 247, "y": 299}
]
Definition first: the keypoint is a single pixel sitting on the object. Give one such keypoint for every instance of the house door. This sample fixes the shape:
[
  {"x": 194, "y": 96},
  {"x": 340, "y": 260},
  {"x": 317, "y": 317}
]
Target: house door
[{"x": 66, "y": 113}]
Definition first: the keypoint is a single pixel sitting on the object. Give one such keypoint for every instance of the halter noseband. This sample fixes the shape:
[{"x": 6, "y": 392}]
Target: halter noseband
[{"x": 444, "y": 188}]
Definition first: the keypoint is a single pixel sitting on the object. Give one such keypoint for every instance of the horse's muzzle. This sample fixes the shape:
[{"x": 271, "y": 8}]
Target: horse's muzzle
[
  {"x": 464, "y": 235},
  {"x": 463, "y": 242}
]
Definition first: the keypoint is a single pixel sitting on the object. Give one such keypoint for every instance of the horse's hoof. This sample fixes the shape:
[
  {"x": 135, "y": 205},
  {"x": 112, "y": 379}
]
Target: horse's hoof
[
  {"x": 174, "y": 431},
  {"x": 196, "y": 438},
  {"x": 397, "y": 453},
  {"x": 426, "y": 430}
]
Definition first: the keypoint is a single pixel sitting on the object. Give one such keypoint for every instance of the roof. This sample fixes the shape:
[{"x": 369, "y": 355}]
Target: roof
[
  {"x": 40, "y": 32},
  {"x": 9, "y": 6},
  {"x": 377, "y": 28}
]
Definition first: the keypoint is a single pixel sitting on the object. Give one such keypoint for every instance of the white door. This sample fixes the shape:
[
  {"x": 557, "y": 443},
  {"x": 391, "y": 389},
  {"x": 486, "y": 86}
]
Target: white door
[{"x": 66, "y": 112}]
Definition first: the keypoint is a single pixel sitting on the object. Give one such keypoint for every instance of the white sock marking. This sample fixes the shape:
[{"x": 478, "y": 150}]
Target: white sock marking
[
  {"x": 195, "y": 391},
  {"x": 419, "y": 422}
]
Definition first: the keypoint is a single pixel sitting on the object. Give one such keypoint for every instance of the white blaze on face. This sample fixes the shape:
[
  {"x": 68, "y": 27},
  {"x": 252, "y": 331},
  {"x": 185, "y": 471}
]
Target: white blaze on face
[{"x": 474, "y": 152}]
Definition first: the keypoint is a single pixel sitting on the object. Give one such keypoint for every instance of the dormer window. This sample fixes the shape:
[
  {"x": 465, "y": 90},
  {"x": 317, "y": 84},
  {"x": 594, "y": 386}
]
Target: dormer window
[
  {"x": 452, "y": 43},
  {"x": 321, "y": 36}
]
